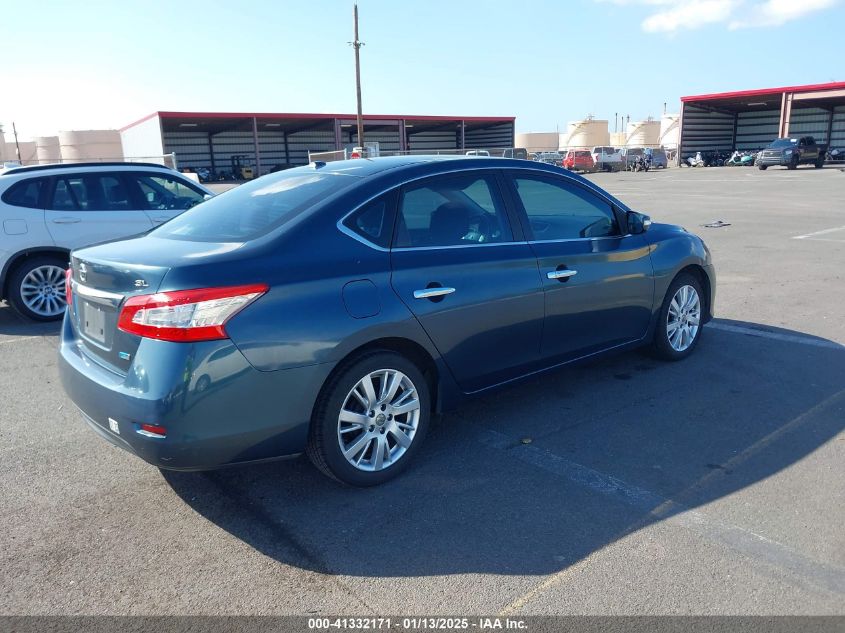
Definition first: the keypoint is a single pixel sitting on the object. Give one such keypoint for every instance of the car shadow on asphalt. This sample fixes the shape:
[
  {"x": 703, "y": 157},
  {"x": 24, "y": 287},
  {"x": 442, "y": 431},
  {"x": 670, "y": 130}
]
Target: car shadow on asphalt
[
  {"x": 12, "y": 324},
  {"x": 537, "y": 476}
]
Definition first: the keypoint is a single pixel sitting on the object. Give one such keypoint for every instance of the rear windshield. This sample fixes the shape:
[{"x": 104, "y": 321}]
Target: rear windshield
[
  {"x": 784, "y": 142},
  {"x": 256, "y": 208}
]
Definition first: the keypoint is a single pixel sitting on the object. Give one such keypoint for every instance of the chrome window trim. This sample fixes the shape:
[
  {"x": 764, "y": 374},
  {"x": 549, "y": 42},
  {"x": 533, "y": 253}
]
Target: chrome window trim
[
  {"x": 341, "y": 226},
  {"x": 402, "y": 249}
]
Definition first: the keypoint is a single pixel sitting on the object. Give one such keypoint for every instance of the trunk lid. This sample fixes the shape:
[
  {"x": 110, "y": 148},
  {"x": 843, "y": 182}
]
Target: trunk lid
[{"x": 106, "y": 275}]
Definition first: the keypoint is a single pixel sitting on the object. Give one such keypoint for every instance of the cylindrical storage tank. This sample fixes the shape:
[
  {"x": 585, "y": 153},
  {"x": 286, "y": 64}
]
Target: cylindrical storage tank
[
  {"x": 48, "y": 150},
  {"x": 585, "y": 133},
  {"x": 537, "y": 141},
  {"x": 643, "y": 133},
  {"x": 669, "y": 131},
  {"x": 90, "y": 145},
  {"x": 618, "y": 139}
]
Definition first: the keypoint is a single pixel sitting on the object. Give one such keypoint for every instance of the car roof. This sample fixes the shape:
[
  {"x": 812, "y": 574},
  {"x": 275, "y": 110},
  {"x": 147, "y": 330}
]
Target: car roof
[
  {"x": 394, "y": 171},
  {"x": 26, "y": 169}
]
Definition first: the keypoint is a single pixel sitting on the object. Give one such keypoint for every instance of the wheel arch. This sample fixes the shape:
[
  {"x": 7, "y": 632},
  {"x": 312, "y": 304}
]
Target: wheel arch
[
  {"x": 20, "y": 257},
  {"x": 408, "y": 348},
  {"x": 697, "y": 271}
]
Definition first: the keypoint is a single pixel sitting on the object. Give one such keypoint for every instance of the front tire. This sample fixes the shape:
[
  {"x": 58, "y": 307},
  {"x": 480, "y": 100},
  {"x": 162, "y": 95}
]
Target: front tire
[
  {"x": 762, "y": 167},
  {"x": 680, "y": 319},
  {"x": 370, "y": 420},
  {"x": 793, "y": 164},
  {"x": 37, "y": 288}
]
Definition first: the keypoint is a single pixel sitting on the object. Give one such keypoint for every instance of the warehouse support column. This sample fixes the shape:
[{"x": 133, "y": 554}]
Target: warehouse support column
[
  {"x": 338, "y": 141},
  {"x": 829, "y": 126},
  {"x": 211, "y": 154},
  {"x": 463, "y": 134},
  {"x": 402, "y": 137},
  {"x": 785, "y": 113},
  {"x": 679, "y": 150},
  {"x": 287, "y": 149},
  {"x": 257, "y": 149}
]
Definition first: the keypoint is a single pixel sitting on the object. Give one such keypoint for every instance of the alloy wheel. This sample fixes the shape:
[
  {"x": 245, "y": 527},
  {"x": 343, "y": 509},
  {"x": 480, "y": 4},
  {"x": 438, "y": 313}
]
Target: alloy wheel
[
  {"x": 43, "y": 291},
  {"x": 683, "y": 319},
  {"x": 378, "y": 420}
]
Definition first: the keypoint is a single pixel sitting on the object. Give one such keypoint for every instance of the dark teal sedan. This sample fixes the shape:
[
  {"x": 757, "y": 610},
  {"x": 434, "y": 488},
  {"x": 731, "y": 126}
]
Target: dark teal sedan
[{"x": 334, "y": 308}]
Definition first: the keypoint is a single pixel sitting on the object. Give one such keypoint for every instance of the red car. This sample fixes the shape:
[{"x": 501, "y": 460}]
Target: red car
[{"x": 579, "y": 160}]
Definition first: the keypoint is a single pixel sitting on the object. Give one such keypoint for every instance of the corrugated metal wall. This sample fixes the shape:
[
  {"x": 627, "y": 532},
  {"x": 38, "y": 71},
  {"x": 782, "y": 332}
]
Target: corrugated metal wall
[
  {"x": 809, "y": 122},
  {"x": 705, "y": 129},
  {"x": 497, "y": 136},
  {"x": 755, "y": 130},
  {"x": 433, "y": 140},
  {"x": 837, "y": 134},
  {"x": 192, "y": 148}
]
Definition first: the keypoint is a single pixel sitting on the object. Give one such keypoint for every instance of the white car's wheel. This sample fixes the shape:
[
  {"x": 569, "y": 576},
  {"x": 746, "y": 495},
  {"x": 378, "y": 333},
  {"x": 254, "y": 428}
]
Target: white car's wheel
[{"x": 37, "y": 288}]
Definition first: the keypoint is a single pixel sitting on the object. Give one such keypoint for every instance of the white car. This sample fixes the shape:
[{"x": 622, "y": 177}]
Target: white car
[
  {"x": 48, "y": 210},
  {"x": 607, "y": 158}
]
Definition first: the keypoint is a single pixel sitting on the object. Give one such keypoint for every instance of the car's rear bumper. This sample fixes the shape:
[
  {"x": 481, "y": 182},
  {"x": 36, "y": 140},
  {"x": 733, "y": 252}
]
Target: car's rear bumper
[{"x": 240, "y": 416}]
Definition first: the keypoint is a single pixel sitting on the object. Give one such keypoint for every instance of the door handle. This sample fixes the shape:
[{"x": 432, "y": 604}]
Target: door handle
[
  {"x": 561, "y": 274},
  {"x": 430, "y": 293},
  {"x": 66, "y": 220}
]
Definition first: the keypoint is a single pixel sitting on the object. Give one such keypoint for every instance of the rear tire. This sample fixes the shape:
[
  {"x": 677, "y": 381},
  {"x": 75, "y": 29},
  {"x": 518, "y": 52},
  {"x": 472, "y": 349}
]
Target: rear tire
[
  {"x": 679, "y": 322},
  {"x": 762, "y": 167},
  {"x": 37, "y": 288},
  {"x": 819, "y": 162},
  {"x": 366, "y": 440}
]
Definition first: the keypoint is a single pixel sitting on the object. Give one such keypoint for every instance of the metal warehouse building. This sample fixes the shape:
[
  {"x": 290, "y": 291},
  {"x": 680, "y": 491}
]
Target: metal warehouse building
[
  {"x": 203, "y": 139},
  {"x": 751, "y": 119}
]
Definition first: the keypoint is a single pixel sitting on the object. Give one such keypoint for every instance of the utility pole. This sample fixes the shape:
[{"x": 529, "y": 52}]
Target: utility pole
[
  {"x": 17, "y": 145},
  {"x": 357, "y": 44}
]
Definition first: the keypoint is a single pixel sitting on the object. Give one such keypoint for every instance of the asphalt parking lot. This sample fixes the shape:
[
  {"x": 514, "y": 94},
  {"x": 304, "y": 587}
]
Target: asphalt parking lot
[{"x": 709, "y": 486}]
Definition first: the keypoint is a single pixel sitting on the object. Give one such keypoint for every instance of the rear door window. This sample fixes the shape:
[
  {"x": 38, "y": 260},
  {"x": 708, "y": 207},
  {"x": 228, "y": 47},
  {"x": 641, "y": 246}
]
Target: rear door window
[
  {"x": 452, "y": 211},
  {"x": 90, "y": 192}
]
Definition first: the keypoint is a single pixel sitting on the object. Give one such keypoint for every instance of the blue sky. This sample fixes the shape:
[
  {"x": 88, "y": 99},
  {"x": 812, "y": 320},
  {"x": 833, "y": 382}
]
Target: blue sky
[{"x": 80, "y": 65}]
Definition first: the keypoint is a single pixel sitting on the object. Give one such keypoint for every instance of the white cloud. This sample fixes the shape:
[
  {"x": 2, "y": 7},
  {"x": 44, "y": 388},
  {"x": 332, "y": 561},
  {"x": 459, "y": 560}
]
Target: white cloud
[
  {"x": 777, "y": 12},
  {"x": 689, "y": 14},
  {"x": 671, "y": 16}
]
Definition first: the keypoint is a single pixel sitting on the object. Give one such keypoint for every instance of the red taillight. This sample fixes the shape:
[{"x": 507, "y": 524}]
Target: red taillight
[
  {"x": 186, "y": 315},
  {"x": 153, "y": 429},
  {"x": 68, "y": 288}
]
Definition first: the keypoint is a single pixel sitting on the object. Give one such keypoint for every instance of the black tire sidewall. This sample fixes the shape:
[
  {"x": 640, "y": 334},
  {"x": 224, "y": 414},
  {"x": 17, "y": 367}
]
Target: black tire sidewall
[
  {"x": 17, "y": 276},
  {"x": 661, "y": 338},
  {"x": 325, "y": 420}
]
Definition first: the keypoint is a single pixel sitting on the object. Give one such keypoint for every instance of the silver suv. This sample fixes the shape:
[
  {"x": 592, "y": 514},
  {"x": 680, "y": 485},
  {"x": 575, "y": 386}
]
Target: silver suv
[{"x": 48, "y": 210}]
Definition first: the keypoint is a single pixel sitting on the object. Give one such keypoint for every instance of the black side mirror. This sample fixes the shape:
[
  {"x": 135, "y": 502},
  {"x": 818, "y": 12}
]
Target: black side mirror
[{"x": 638, "y": 223}]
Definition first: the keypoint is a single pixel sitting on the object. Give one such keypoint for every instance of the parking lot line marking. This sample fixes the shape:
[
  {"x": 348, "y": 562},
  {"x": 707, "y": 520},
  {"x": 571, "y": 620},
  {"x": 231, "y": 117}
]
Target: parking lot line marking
[
  {"x": 823, "y": 232},
  {"x": 737, "y": 460},
  {"x": 798, "y": 566},
  {"x": 777, "y": 336},
  {"x": 18, "y": 340}
]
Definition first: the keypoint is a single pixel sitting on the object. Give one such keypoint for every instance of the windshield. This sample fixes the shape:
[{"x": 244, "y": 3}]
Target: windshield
[
  {"x": 256, "y": 208},
  {"x": 784, "y": 142}
]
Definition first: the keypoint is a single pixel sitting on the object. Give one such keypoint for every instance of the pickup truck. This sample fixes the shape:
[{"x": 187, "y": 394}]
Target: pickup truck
[{"x": 791, "y": 152}]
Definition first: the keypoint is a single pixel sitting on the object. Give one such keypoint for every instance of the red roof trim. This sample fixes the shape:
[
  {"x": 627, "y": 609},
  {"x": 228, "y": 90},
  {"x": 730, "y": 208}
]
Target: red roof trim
[
  {"x": 311, "y": 116},
  {"x": 838, "y": 85},
  {"x": 139, "y": 121}
]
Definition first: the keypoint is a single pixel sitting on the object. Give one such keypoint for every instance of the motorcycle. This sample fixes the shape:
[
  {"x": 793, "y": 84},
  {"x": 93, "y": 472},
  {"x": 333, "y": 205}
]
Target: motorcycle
[
  {"x": 639, "y": 163},
  {"x": 742, "y": 159},
  {"x": 836, "y": 154},
  {"x": 696, "y": 161}
]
